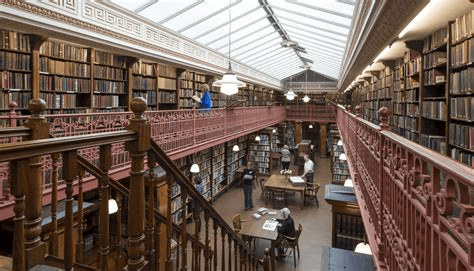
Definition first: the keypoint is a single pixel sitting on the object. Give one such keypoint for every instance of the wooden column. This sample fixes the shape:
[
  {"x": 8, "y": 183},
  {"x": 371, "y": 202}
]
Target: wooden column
[
  {"x": 322, "y": 135},
  {"x": 80, "y": 218},
  {"x": 105, "y": 162},
  {"x": 69, "y": 174},
  {"x": 136, "y": 204},
  {"x": 35, "y": 248},
  {"x": 53, "y": 237},
  {"x": 298, "y": 132}
]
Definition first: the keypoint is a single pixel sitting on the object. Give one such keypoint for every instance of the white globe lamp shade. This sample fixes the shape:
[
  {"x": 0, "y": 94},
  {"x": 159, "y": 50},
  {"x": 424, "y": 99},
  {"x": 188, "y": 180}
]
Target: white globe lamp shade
[
  {"x": 257, "y": 138},
  {"x": 229, "y": 84},
  {"x": 235, "y": 148},
  {"x": 194, "y": 168},
  {"x": 113, "y": 207},
  {"x": 342, "y": 157}
]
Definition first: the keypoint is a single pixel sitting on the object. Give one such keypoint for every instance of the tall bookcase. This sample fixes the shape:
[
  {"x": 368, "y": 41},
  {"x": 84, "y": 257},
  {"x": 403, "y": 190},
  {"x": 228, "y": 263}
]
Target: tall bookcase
[
  {"x": 204, "y": 160},
  {"x": 259, "y": 151},
  {"x": 339, "y": 168},
  {"x": 15, "y": 70},
  {"x": 461, "y": 88},
  {"x": 219, "y": 180},
  {"x": 145, "y": 83},
  {"x": 168, "y": 87},
  {"x": 235, "y": 159},
  {"x": 180, "y": 211}
]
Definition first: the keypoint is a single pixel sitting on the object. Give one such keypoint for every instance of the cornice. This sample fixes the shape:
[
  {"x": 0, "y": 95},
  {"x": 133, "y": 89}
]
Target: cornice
[
  {"x": 95, "y": 18},
  {"x": 376, "y": 24}
]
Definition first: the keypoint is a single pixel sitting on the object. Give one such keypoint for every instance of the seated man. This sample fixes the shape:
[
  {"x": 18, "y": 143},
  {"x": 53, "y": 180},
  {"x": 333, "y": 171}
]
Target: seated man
[{"x": 286, "y": 228}]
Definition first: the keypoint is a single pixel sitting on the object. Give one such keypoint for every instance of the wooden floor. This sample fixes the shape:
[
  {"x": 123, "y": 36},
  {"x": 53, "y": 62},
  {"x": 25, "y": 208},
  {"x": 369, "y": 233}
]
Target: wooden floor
[{"x": 316, "y": 221}]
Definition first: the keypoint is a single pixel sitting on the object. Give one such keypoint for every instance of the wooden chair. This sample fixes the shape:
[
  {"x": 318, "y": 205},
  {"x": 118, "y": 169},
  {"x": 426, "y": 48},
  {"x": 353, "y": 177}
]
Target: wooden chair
[
  {"x": 292, "y": 242},
  {"x": 238, "y": 226},
  {"x": 265, "y": 193},
  {"x": 279, "y": 198},
  {"x": 311, "y": 193},
  {"x": 237, "y": 223}
]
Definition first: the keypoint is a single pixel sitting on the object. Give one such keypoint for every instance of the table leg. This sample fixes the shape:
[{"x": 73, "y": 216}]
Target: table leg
[
  {"x": 302, "y": 199},
  {"x": 272, "y": 254}
]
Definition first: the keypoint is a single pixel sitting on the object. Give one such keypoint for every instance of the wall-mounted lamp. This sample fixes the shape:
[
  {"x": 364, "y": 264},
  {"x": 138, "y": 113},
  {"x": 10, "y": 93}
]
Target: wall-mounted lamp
[
  {"x": 342, "y": 157},
  {"x": 257, "y": 138},
  {"x": 310, "y": 126},
  {"x": 113, "y": 207},
  {"x": 339, "y": 143},
  {"x": 349, "y": 183},
  {"x": 236, "y": 148},
  {"x": 194, "y": 168}
]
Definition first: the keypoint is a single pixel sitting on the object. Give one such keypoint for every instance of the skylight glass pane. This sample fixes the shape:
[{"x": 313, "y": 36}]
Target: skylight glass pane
[
  {"x": 163, "y": 9},
  {"x": 270, "y": 56},
  {"x": 258, "y": 50},
  {"x": 327, "y": 32},
  {"x": 296, "y": 32},
  {"x": 132, "y": 6},
  {"x": 254, "y": 42},
  {"x": 274, "y": 61}
]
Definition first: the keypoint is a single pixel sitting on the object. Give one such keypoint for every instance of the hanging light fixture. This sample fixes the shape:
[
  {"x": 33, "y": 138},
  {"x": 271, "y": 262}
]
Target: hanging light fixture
[
  {"x": 229, "y": 84},
  {"x": 236, "y": 148},
  {"x": 306, "y": 98},
  {"x": 274, "y": 130},
  {"x": 342, "y": 157},
  {"x": 310, "y": 126},
  {"x": 290, "y": 95},
  {"x": 339, "y": 143},
  {"x": 257, "y": 138}
]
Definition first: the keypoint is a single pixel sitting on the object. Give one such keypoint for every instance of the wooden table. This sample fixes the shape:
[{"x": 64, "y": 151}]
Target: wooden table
[
  {"x": 253, "y": 228},
  {"x": 277, "y": 181}
]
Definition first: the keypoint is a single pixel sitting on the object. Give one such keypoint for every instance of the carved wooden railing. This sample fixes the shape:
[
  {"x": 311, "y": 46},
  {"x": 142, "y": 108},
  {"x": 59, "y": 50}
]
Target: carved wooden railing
[
  {"x": 142, "y": 252},
  {"x": 416, "y": 204}
]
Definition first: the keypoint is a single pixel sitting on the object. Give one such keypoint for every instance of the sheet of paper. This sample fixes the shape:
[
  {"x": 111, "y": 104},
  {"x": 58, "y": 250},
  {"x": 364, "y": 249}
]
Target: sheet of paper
[{"x": 270, "y": 225}]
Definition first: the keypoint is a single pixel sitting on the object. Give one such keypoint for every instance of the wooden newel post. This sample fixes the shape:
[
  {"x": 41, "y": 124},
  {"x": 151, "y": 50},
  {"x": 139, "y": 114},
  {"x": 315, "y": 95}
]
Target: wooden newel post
[
  {"x": 105, "y": 162},
  {"x": 12, "y": 114},
  {"x": 383, "y": 113},
  {"x": 69, "y": 174},
  {"x": 136, "y": 205},
  {"x": 35, "y": 249},
  {"x": 358, "y": 108}
]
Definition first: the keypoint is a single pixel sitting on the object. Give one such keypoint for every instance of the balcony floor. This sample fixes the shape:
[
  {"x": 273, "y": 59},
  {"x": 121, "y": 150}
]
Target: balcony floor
[{"x": 317, "y": 225}]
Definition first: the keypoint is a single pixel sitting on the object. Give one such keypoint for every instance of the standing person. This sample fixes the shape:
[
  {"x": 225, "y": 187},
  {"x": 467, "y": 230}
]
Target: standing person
[
  {"x": 308, "y": 170},
  {"x": 247, "y": 184},
  {"x": 285, "y": 158},
  {"x": 206, "y": 99},
  {"x": 286, "y": 228}
]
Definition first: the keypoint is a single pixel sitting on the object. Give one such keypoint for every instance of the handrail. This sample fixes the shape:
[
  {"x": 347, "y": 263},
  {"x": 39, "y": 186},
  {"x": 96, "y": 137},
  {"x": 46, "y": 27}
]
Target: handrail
[
  {"x": 415, "y": 203},
  {"x": 168, "y": 165},
  {"x": 14, "y": 132},
  {"x": 26, "y": 149},
  {"x": 95, "y": 171}
]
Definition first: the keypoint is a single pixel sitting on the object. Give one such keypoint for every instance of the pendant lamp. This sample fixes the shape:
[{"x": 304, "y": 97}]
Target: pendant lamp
[{"x": 229, "y": 84}]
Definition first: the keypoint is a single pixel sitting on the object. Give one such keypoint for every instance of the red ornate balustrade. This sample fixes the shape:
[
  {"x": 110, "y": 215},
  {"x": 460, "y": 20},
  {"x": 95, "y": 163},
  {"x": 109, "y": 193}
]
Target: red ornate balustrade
[
  {"x": 178, "y": 132},
  {"x": 416, "y": 204}
]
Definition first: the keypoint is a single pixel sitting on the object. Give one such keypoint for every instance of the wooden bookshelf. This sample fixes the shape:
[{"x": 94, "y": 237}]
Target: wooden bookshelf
[
  {"x": 235, "y": 160},
  {"x": 144, "y": 83},
  {"x": 167, "y": 87},
  {"x": 260, "y": 151},
  {"x": 460, "y": 71}
]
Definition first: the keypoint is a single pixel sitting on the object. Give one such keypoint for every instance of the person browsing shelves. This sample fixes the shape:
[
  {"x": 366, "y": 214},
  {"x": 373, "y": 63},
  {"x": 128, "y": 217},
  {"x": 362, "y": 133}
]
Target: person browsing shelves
[{"x": 308, "y": 170}]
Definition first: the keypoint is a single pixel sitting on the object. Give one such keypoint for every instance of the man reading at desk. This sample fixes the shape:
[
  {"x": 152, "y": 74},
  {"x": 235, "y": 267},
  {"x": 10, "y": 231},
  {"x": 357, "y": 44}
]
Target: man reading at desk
[{"x": 286, "y": 228}]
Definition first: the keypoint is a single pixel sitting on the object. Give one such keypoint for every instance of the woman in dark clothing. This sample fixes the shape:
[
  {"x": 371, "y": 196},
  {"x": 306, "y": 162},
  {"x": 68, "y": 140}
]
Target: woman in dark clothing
[{"x": 247, "y": 184}]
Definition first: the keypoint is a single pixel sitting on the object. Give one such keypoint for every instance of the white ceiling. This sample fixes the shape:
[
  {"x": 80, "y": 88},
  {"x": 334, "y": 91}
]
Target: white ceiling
[{"x": 257, "y": 29}]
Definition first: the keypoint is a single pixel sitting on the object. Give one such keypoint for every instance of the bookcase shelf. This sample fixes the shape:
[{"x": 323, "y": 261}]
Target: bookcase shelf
[{"x": 259, "y": 151}]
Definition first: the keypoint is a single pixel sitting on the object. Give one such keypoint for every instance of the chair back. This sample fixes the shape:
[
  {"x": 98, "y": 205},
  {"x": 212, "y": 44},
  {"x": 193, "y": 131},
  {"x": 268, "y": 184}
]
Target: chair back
[
  {"x": 298, "y": 232},
  {"x": 237, "y": 223},
  {"x": 279, "y": 198},
  {"x": 261, "y": 182}
]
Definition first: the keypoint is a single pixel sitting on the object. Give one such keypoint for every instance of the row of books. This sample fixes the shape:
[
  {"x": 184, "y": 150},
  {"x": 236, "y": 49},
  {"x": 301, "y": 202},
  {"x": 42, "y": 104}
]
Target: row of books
[
  {"x": 463, "y": 26},
  {"x": 434, "y": 76},
  {"x": 413, "y": 67},
  {"x": 434, "y": 110},
  {"x": 462, "y": 53},
  {"x": 166, "y": 71},
  {"x": 412, "y": 95},
  {"x": 105, "y": 101},
  {"x": 462, "y": 136},
  {"x": 411, "y": 135},
  {"x": 412, "y": 82},
  {"x": 15, "y": 80},
  {"x": 398, "y": 108},
  {"x": 186, "y": 93},
  {"x": 462, "y": 156},
  {"x": 218, "y": 150},
  {"x": 186, "y": 103},
  {"x": 349, "y": 231},
  {"x": 149, "y": 96},
  {"x": 145, "y": 69},
  {"x": 104, "y": 86},
  {"x": 143, "y": 83},
  {"x": 166, "y": 83},
  {"x": 199, "y": 78},
  {"x": 53, "y": 66},
  {"x": 262, "y": 147},
  {"x": 15, "y": 41},
  {"x": 407, "y": 123},
  {"x": 462, "y": 82},
  {"x": 434, "y": 142},
  {"x": 57, "y": 101},
  {"x": 106, "y": 72},
  {"x": 398, "y": 85},
  {"x": 105, "y": 58},
  {"x": 62, "y": 50},
  {"x": 167, "y": 97},
  {"x": 60, "y": 83},
  {"x": 434, "y": 59},
  {"x": 462, "y": 108},
  {"x": 21, "y": 98},
  {"x": 14, "y": 61},
  {"x": 340, "y": 178},
  {"x": 435, "y": 40},
  {"x": 259, "y": 156}
]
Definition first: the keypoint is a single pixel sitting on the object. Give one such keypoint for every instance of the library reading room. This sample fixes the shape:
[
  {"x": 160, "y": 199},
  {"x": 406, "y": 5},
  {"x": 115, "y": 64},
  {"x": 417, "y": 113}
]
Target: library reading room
[{"x": 208, "y": 135}]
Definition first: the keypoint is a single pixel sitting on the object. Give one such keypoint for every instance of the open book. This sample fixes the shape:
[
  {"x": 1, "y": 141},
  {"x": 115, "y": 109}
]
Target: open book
[{"x": 270, "y": 225}]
